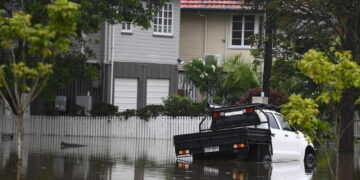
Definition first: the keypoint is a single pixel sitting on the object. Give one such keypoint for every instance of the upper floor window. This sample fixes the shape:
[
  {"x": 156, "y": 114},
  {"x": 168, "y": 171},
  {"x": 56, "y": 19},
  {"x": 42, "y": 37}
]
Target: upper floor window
[
  {"x": 126, "y": 27},
  {"x": 163, "y": 20},
  {"x": 243, "y": 27}
]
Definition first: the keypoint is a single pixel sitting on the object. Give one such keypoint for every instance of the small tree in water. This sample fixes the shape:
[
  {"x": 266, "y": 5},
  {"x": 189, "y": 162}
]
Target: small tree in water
[
  {"x": 29, "y": 48},
  {"x": 333, "y": 75}
]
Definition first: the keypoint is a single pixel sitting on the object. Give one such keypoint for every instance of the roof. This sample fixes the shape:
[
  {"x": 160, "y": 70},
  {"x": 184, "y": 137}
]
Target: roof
[{"x": 211, "y": 4}]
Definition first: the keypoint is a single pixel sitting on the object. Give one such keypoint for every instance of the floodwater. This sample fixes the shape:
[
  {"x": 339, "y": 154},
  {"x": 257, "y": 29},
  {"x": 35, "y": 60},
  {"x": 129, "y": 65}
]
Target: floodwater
[{"x": 143, "y": 159}]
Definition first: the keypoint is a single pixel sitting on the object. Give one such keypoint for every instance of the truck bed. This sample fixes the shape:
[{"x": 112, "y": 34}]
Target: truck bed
[{"x": 225, "y": 139}]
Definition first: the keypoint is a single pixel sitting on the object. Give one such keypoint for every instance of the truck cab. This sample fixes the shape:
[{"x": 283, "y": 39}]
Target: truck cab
[{"x": 253, "y": 132}]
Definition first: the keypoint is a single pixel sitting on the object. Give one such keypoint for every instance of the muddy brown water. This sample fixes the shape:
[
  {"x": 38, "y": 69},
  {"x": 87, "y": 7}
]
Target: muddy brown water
[{"x": 143, "y": 159}]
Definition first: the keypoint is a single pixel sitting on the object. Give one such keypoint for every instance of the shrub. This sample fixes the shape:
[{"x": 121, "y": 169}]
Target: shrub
[
  {"x": 127, "y": 113},
  {"x": 149, "y": 111},
  {"x": 104, "y": 109},
  {"x": 177, "y": 105},
  {"x": 276, "y": 97}
]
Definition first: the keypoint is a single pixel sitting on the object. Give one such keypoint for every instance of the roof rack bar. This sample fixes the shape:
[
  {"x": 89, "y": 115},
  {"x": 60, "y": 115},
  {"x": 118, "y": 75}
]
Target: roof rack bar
[{"x": 243, "y": 106}]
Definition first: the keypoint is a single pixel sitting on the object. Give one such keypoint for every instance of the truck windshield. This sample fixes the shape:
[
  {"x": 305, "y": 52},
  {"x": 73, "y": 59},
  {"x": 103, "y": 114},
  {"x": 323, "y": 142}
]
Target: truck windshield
[{"x": 238, "y": 120}]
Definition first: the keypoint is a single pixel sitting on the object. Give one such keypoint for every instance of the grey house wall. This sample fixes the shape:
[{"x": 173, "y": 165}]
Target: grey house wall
[
  {"x": 96, "y": 42},
  {"x": 144, "y": 71},
  {"x": 143, "y": 55},
  {"x": 142, "y": 46}
]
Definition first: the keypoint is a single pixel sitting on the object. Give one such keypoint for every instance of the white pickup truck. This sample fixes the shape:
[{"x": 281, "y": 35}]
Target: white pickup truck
[{"x": 253, "y": 132}]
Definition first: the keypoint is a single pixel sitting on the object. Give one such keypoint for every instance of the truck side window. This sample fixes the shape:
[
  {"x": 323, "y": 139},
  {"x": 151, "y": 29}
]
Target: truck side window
[
  {"x": 272, "y": 121},
  {"x": 283, "y": 123}
]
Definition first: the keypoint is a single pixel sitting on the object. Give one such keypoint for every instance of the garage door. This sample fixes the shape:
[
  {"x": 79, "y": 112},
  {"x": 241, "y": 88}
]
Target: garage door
[
  {"x": 156, "y": 90},
  {"x": 125, "y": 93}
]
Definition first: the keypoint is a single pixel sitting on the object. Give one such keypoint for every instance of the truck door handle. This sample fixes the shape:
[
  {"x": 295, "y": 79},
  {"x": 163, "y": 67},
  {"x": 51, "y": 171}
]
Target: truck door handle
[
  {"x": 272, "y": 134},
  {"x": 286, "y": 135}
]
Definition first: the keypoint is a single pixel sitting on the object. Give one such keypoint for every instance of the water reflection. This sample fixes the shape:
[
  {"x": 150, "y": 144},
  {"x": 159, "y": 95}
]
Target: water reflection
[
  {"x": 139, "y": 159},
  {"x": 242, "y": 170}
]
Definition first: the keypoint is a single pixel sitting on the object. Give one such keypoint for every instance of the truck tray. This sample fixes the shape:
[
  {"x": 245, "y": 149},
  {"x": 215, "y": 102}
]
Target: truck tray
[{"x": 224, "y": 139}]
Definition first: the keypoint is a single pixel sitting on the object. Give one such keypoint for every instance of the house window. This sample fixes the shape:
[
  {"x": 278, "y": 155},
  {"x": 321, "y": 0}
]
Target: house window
[
  {"x": 126, "y": 27},
  {"x": 243, "y": 27},
  {"x": 163, "y": 20}
]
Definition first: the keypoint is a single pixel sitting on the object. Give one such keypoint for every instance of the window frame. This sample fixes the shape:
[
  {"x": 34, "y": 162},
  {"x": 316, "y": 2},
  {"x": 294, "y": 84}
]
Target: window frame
[
  {"x": 275, "y": 120},
  {"x": 256, "y": 29},
  {"x": 162, "y": 21},
  {"x": 126, "y": 24}
]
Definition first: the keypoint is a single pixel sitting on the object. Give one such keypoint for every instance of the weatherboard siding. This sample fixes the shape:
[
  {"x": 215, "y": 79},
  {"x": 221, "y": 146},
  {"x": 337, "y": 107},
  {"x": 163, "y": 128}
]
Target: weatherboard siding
[
  {"x": 192, "y": 33},
  {"x": 142, "y": 46}
]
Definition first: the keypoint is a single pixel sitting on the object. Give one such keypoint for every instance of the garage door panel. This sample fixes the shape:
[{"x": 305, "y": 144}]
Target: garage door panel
[
  {"x": 126, "y": 88},
  {"x": 159, "y": 89},
  {"x": 156, "y": 90},
  {"x": 126, "y": 99},
  {"x": 125, "y": 93},
  {"x": 159, "y": 82}
]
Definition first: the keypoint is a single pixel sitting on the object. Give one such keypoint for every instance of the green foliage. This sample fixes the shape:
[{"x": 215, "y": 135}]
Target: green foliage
[
  {"x": 182, "y": 106},
  {"x": 225, "y": 84},
  {"x": 206, "y": 77},
  {"x": 334, "y": 77},
  {"x": 239, "y": 78},
  {"x": 149, "y": 111},
  {"x": 27, "y": 45},
  {"x": 79, "y": 110},
  {"x": 127, "y": 113},
  {"x": 303, "y": 113},
  {"x": 95, "y": 12},
  {"x": 104, "y": 109}
]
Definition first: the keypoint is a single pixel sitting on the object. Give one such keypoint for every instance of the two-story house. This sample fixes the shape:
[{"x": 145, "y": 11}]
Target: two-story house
[
  {"x": 141, "y": 64},
  {"x": 216, "y": 29},
  {"x": 138, "y": 66},
  {"x": 221, "y": 28}
]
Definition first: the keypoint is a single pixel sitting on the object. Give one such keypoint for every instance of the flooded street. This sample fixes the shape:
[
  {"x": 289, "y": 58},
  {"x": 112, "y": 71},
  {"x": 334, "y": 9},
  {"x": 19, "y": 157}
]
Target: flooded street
[{"x": 130, "y": 158}]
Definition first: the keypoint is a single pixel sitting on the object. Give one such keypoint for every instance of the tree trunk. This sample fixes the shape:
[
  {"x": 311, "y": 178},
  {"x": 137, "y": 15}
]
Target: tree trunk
[
  {"x": 346, "y": 144},
  {"x": 20, "y": 145}
]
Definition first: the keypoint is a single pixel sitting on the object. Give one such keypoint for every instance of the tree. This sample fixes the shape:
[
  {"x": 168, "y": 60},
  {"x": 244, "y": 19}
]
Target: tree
[
  {"x": 93, "y": 12},
  {"x": 316, "y": 24},
  {"x": 238, "y": 79},
  {"x": 29, "y": 50},
  {"x": 91, "y": 15},
  {"x": 333, "y": 75},
  {"x": 207, "y": 77},
  {"x": 224, "y": 84}
]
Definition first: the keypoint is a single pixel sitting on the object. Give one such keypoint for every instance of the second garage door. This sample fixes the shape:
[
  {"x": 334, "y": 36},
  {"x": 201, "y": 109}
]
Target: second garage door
[{"x": 156, "y": 90}]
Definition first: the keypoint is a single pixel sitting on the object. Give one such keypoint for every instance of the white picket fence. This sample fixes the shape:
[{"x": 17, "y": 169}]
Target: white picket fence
[
  {"x": 161, "y": 127},
  {"x": 164, "y": 127}
]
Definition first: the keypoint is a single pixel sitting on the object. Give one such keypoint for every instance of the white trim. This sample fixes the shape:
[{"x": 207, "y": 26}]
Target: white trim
[
  {"x": 256, "y": 31},
  {"x": 112, "y": 66},
  {"x": 127, "y": 24},
  {"x": 162, "y": 22},
  {"x": 106, "y": 43}
]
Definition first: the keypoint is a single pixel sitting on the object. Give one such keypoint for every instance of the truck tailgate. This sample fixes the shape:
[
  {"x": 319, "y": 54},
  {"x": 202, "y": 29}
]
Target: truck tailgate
[{"x": 196, "y": 142}]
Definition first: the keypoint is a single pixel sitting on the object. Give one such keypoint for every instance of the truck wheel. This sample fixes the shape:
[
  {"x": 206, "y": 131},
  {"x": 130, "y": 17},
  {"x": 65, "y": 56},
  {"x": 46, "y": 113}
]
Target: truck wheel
[
  {"x": 310, "y": 160},
  {"x": 266, "y": 158}
]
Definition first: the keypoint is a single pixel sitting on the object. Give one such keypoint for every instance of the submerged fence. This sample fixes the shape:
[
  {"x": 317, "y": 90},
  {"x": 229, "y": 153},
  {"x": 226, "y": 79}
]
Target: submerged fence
[
  {"x": 164, "y": 127},
  {"x": 134, "y": 127}
]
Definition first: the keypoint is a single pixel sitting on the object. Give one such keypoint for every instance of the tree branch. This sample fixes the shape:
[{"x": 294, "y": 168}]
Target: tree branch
[{"x": 9, "y": 92}]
